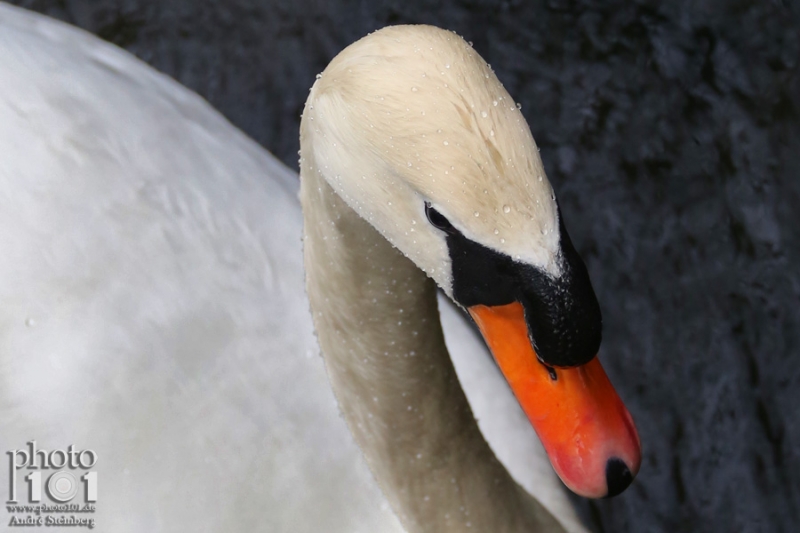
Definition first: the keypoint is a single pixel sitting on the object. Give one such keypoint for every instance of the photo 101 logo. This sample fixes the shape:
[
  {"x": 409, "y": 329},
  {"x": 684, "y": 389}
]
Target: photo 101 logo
[{"x": 51, "y": 488}]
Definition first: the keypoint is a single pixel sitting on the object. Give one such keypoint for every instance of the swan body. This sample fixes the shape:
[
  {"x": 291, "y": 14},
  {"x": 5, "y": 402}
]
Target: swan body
[{"x": 153, "y": 308}]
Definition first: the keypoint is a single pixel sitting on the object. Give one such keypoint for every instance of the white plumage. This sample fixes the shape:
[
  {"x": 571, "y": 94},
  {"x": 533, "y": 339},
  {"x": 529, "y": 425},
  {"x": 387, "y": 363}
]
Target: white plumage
[{"x": 152, "y": 306}]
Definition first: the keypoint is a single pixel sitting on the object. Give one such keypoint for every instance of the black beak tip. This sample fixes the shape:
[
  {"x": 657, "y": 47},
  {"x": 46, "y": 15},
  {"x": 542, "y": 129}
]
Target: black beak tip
[{"x": 618, "y": 476}]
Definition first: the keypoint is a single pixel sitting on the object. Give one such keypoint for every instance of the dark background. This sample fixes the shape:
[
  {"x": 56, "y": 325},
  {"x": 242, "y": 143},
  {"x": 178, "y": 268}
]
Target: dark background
[{"x": 669, "y": 130}]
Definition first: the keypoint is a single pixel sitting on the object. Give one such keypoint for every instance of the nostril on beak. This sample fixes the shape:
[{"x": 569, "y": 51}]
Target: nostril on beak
[{"x": 618, "y": 476}]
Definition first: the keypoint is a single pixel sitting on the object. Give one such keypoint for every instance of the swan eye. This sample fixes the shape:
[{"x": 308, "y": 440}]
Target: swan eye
[{"x": 438, "y": 220}]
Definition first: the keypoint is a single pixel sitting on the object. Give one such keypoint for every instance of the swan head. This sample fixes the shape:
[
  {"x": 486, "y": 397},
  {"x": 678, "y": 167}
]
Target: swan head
[{"x": 414, "y": 131}]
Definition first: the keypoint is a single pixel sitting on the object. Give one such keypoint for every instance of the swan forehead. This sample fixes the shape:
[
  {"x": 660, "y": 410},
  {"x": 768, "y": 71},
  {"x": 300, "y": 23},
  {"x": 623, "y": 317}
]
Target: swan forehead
[{"x": 415, "y": 109}]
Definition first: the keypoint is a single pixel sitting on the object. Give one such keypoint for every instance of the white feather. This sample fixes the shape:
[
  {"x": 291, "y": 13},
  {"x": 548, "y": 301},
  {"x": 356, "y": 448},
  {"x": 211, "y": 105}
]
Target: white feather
[{"x": 152, "y": 305}]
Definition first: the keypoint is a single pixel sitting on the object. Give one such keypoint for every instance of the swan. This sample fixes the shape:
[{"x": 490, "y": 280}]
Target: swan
[
  {"x": 417, "y": 169},
  {"x": 153, "y": 309}
]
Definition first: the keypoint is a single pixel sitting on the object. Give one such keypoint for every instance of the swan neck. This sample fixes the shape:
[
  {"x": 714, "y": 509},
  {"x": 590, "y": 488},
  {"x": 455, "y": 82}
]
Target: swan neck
[{"x": 378, "y": 326}]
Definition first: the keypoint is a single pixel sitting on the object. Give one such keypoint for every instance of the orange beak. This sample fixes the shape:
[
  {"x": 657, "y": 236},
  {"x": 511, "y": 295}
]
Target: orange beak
[{"x": 586, "y": 430}]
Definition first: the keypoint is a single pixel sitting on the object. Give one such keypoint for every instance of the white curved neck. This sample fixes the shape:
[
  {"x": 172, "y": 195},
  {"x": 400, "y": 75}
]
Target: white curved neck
[{"x": 377, "y": 323}]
